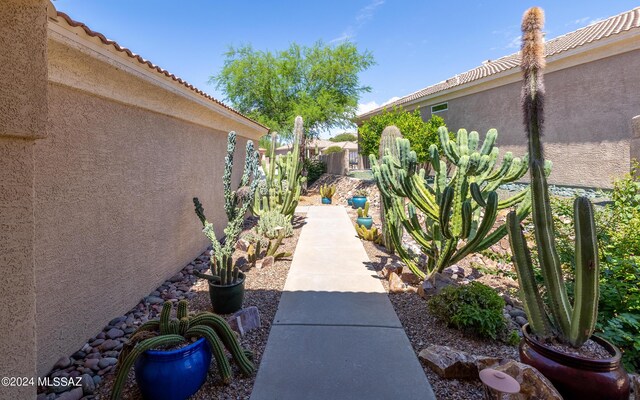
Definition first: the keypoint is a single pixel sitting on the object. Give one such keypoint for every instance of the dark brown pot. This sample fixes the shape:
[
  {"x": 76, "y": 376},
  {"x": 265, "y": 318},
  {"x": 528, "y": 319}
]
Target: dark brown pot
[{"x": 578, "y": 377}]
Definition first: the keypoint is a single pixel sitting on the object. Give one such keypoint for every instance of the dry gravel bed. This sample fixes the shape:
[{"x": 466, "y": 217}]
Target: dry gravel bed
[{"x": 263, "y": 288}]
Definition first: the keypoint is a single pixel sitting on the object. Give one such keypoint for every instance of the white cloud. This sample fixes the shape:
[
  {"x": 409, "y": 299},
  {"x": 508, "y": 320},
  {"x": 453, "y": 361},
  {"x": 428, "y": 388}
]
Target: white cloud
[
  {"x": 514, "y": 43},
  {"x": 372, "y": 105},
  {"x": 364, "y": 15}
]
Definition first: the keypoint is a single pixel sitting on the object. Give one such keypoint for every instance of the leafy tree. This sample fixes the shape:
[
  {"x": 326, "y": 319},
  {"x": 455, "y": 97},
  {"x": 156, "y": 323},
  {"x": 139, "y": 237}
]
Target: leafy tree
[
  {"x": 344, "y": 137},
  {"x": 420, "y": 134},
  {"x": 320, "y": 83},
  {"x": 332, "y": 149}
]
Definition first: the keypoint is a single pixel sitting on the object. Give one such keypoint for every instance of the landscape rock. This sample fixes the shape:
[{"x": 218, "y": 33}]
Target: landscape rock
[
  {"x": 533, "y": 385},
  {"x": 396, "y": 285},
  {"x": 92, "y": 363},
  {"x": 391, "y": 267},
  {"x": 454, "y": 270},
  {"x": 115, "y": 333},
  {"x": 62, "y": 363},
  {"x": 242, "y": 245},
  {"x": 516, "y": 312},
  {"x": 455, "y": 364},
  {"x": 428, "y": 287},
  {"x": 153, "y": 300},
  {"x": 73, "y": 394},
  {"x": 408, "y": 277},
  {"x": 266, "y": 262},
  {"x": 109, "y": 344},
  {"x": 88, "y": 384},
  {"x": 521, "y": 320},
  {"x": 245, "y": 320},
  {"x": 107, "y": 362}
]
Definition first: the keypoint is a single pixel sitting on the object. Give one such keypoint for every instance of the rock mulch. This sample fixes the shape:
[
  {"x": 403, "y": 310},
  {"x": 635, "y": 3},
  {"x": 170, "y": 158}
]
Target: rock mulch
[{"x": 96, "y": 360}]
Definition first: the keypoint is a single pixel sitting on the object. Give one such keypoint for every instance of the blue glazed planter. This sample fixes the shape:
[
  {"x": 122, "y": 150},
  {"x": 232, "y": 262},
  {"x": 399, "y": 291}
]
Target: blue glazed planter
[
  {"x": 174, "y": 374},
  {"x": 359, "y": 201},
  {"x": 367, "y": 222},
  {"x": 350, "y": 201},
  {"x": 326, "y": 200}
]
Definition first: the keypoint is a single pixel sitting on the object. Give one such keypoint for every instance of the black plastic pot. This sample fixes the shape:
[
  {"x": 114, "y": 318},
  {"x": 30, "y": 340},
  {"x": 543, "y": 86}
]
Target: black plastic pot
[
  {"x": 227, "y": 299},
  {"x": 577, "y": 377}
]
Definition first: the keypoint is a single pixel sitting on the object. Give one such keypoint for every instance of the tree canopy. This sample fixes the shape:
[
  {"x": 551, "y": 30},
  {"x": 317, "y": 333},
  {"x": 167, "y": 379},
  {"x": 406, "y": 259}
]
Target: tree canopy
[
  {"x": 344, "y": 137},
  {"x": 320, "y": 83},
  {"x": 420, "y": 134}
]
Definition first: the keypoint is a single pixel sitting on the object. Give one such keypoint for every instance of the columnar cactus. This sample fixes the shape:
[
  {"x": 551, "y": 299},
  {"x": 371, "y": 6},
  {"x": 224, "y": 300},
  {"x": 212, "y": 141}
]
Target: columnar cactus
[
  {"x": 460, "y": 212},
  {"x": 283, "y": 178},
  {"x": 327, "y": 191},
  {"x": 388, "y": 145},
  {"x": 573, "y": 324},
  {"x": 236, "y": 205},
  {"x": 170, "y": 332},
  {"x": 364, "y": 212}
]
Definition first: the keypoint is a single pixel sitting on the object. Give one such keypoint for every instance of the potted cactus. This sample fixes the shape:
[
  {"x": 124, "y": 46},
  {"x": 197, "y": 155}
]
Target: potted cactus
[
  {"x": 360, "y": 198},
  {"x": 558, "y": 330},
  {"x": 327, "y": 192},
  {"x": 364, "y": 220},
  {"x": 164, "y": 372},
  {"x": 226, "y": 281}
]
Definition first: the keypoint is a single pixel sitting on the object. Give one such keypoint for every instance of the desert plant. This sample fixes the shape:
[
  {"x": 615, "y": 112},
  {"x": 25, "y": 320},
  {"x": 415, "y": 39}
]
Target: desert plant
[
  {"x": 315, "y": 169},
  {"x": 254, "y": 251},
  {"x": 361, "y": 193},
  {"x": 284, "y": 178},
  {"x": 272, "y": 223},
  {"x": 387, "y": 218},
  {"x": 474, "y": 307},
  {"x": 460, "y": 212},
  {"x": 570, "y": 323},
  {"x": 333, "y": 149},
  {"x": 372, "y": 234},
  {"x": 236, "y": 205},
  {"x": 364, "y": 212},
  {"x": 327, "y": 191},
  {"x": 167, "y": 332}
]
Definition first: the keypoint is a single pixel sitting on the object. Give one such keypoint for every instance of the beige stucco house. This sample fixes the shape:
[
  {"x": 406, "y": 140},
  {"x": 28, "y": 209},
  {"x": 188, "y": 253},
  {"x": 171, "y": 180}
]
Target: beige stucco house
[
  {"x": 101, "y": 152},
  {"x": 593, "y": 92}
]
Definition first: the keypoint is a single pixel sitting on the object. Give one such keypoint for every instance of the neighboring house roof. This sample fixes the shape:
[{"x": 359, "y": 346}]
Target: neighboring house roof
[
  {"x": 159, "y": 70},
  {"x": 323, "y": 144},
  {"x": 629, "y": 20}
]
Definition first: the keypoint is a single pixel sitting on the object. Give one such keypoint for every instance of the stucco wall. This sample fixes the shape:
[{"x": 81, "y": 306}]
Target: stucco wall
[
  {"x": 587, "y": 118},
  {"x": 635, "y": 142},
  {"x": 113, "y": 210},
  {"x": 337, "y": 163}
]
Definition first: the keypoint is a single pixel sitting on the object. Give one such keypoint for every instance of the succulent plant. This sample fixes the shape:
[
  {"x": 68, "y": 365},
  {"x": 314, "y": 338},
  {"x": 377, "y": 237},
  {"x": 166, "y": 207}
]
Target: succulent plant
[
  {"x": 327, "y": 191},
  {"x": 272, "y": 223},
  {"x": 571, "y": 323},
  {"x": 361, "y": 193},
  {"x": 284, "y": 178},
  {"x": 387, "y": 219},
  {"x": 372, "y": 234},
  {"x": 364, "y": 212},
  {"x": 167, "y": 332},
  {"x": 254, "y": 252},
  {"x": 236, "y": 205}
]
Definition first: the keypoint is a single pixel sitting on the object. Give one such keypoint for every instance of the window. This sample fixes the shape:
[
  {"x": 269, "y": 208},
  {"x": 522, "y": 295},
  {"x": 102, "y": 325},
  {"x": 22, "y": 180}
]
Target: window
[{"x": 439, "y": 107}]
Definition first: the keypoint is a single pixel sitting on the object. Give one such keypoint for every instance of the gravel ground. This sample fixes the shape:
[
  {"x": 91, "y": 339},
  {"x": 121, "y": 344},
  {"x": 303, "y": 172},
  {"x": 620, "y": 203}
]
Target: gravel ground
[{"x": 263, "y": 289}]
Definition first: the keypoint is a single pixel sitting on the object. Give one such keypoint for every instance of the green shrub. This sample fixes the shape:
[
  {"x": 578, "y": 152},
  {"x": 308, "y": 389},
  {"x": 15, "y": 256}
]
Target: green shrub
[
  {"x": 474, "y": 307},
  {"x": 315, "y": 169},
  {"x": 623, "y": 331},
  {"x": 344, "y": 137},
  {"x": 270, "y": 222},
  {"x": 332, "y": 149}
]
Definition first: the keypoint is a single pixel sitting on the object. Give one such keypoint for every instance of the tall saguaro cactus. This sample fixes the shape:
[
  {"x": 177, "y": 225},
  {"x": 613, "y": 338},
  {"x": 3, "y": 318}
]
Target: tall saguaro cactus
[
  {"x": 460, "y": 211},
  {"x": 388, "y": 145},
  {"x": 283, "y": 178},
  {"x": 573, "y": 324}
]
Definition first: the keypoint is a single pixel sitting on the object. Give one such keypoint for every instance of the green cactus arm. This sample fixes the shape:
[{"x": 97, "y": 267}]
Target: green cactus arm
[
  {"x": 224, "y": 369},
  {"x": 476, "y": 194},
  {"x": 151, "y": 326},
  {"x": 530, "y": 296},
  {"x": 445, "y": 212},
  {"x": 497, "y": 174},
  {"x": 448, "y": 146},
  {"x": 396, "y": 236},
  {"x": 460, "y": 194},
  {"x": 199, "y": 211},
  {"x": 474, "y": 139},
  {"x": 489, "y": 142},
  {"x": 165, "y": 315},
  {"x": 462, "y": 141},
  {"x": 228, "y": 337},
  {"x": 515, "y": 199},
  {"x": 585, "y": 306},
  {"x": 446, "y": 255},
  {"x": 182, "y": 309},
  {"x": 421, "y": 236},
  {"x": 488, "y": 220},
  {"x": 123, "y": 369},
  {"x": 466, "y": 219}
]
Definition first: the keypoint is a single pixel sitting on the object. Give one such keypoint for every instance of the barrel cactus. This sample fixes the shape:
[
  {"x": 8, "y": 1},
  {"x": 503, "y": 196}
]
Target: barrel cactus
[{"x": 571, "y": 323}]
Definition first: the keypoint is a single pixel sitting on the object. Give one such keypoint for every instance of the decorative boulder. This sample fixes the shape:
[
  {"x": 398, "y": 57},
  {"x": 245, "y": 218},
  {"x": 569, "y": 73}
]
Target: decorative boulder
[
  {"x": 430, "y": 287},
  {"x": 533, "y": 385},
  {"x": 245, "y": 320},
  {"x": 395, "y": 283},
  {"x": 455, "y": 364}
]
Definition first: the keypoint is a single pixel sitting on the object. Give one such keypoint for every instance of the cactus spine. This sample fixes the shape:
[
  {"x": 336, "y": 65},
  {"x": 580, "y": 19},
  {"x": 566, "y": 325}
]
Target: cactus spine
[
  {"x": 236, "y": 205},
  {"x": 283, "y": 178},
  {"x": 388, "y": 146},
  {"x": 573, "y": 324},
  {"x": 460, "y": 211},
  {"x": 170, "y": 332}
]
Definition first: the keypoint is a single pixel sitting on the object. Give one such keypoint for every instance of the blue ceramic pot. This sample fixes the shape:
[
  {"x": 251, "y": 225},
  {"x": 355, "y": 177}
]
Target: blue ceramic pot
[
  {"x": 326, "y": 200},
  {"x": 174, "y": 374},
  {"x": 359, "y": 201},
  {"x": 367, "y": 222},
  {"x": 350, "y": 201}
]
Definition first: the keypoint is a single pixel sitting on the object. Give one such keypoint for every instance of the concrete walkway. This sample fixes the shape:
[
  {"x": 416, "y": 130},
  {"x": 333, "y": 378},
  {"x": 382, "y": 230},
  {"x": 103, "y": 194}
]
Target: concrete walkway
[{"x": 335, "y": 334}]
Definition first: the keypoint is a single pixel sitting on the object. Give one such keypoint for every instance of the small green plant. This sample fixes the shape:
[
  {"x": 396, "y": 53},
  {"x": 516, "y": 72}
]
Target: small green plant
[
  {"x": 623, "y": 331},
  {"x": 364, "y": 212},
  {"x": 361, "y": 193},
  {"x": 167, "y": 332},
  {"x": 371, "y": 235},
  {"x": 315, "y": 169},
  {"x": 474, "y": 307},
  {"x": 333, "y": 149},
  {"x": 327, "y": 191},
  {"x": 254, "y": 251},
  {"x": 271, "y": 223}
]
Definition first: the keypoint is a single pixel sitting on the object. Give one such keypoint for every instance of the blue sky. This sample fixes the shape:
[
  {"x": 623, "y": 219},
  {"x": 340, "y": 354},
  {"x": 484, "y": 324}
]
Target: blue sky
[{"x": 415, "y": 43}]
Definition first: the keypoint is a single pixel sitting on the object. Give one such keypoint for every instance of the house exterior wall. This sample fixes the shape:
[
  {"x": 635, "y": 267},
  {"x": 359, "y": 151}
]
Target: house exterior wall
[
  {"x": 635, "y": 142},
  {"x": 100, "y": 157},
  {"x": 588, "y": 110}
]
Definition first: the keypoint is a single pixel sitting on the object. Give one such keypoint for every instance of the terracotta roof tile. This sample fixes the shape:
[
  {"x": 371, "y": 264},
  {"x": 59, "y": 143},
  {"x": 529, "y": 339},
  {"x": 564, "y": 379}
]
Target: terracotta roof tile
[
  {"x": 116, "y": 46},
  {"x": 591, "y": 33}
]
